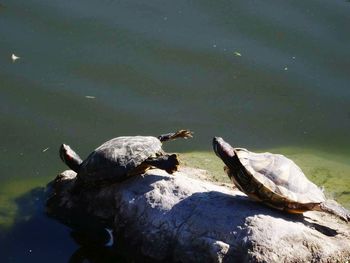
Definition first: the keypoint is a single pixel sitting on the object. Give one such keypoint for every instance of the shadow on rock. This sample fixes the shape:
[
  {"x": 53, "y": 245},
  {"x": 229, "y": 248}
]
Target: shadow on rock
[
  {"x": 214, "y": 206},
  {"x": 325, "y": 230}
]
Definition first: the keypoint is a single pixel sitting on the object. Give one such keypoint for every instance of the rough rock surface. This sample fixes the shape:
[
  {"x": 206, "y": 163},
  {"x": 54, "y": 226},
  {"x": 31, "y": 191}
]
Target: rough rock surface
[{"x": 181, "y": 219}]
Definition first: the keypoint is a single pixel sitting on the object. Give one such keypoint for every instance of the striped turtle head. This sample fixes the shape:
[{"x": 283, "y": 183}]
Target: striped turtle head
[
  {"x": 70, "y": 157},
  {"x": 227, "y": 153},
  {"x": 223, "y": 150}
]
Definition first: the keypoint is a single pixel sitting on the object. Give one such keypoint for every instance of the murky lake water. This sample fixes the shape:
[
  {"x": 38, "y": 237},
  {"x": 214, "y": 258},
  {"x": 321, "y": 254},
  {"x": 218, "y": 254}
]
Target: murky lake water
[{"x": 261, "y": 74}]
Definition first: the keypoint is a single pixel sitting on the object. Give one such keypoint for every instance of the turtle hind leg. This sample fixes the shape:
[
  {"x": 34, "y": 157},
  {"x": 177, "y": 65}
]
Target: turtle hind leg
[
  {"x": 334, "y": 208},
  {"x": 174, "y": 135},
  {"x": 166, "y": 162}
]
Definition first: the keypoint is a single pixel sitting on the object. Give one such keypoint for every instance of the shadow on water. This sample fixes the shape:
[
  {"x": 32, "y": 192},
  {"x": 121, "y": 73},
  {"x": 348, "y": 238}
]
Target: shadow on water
[{"x": 34, "y": 237}]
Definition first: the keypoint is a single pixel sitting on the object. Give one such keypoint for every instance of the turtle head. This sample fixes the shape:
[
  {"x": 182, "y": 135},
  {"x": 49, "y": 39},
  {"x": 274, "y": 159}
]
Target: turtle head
[
  {"x": 70, "y": 157},
  {"x": 224, "y": 151}
]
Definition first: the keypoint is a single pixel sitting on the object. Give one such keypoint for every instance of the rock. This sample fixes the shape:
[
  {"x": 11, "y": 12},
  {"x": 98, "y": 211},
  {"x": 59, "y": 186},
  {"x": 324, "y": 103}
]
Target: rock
[{"x": 182, "y": 219}]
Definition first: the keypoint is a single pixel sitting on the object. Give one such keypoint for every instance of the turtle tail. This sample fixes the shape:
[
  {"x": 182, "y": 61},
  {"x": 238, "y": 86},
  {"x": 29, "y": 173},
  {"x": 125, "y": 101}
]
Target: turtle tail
[
  {"x": 174, "y": 135},
  {"x": 334, "y": 208},
  {"x": 70, "y": 157}
]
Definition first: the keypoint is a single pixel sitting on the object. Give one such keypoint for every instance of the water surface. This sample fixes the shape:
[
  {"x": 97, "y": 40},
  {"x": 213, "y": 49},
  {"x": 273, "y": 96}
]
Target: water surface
[{"x": 262, "y": 74}]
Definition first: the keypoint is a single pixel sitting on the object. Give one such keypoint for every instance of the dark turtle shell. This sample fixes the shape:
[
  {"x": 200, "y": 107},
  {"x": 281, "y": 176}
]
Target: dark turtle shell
[{"x": 118, "y": 157}]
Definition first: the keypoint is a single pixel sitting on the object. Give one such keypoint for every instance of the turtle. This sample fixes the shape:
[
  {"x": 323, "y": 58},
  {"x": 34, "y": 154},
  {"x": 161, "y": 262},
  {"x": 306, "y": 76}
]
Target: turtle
[
  {"x": 122, "y": 157},
  {"x": 274, "y": 180}
]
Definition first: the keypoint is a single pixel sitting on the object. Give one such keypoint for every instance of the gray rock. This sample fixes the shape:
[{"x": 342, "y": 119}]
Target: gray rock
[{"x": 182, "y": 219}]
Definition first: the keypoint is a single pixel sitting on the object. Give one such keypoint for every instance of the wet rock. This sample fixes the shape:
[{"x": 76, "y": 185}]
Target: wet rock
[{"x": 182, "y": 219}]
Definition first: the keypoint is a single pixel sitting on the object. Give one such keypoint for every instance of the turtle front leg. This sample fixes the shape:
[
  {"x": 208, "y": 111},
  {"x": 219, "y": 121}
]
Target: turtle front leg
[{"x": 167, "y": 162}]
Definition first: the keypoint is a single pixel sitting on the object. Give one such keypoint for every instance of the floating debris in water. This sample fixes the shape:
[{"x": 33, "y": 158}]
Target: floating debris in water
[
  {"x": 293, "y": 57},
  {"x": 237, "y": 54},
  {"x": 46, "y": 149},
  {"x": 90, "y": 97},
  {"x": 14, "y": 57},
  {"x": 214, "y": 46},
  {"x": 286, "y": 68}
]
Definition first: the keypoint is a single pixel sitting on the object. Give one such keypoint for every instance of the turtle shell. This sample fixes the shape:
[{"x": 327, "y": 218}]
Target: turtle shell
[
  {"x": 280, "y": 177},
  {"x": 116, "y": 158}
]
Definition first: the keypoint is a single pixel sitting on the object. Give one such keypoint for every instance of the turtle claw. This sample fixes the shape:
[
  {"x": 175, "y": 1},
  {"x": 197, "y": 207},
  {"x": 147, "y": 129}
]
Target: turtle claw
[{"x": 184, "y": 134}]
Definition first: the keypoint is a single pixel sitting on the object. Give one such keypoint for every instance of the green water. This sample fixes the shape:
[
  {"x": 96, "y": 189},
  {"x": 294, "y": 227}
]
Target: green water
[{"x": 261, "y": 74}]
